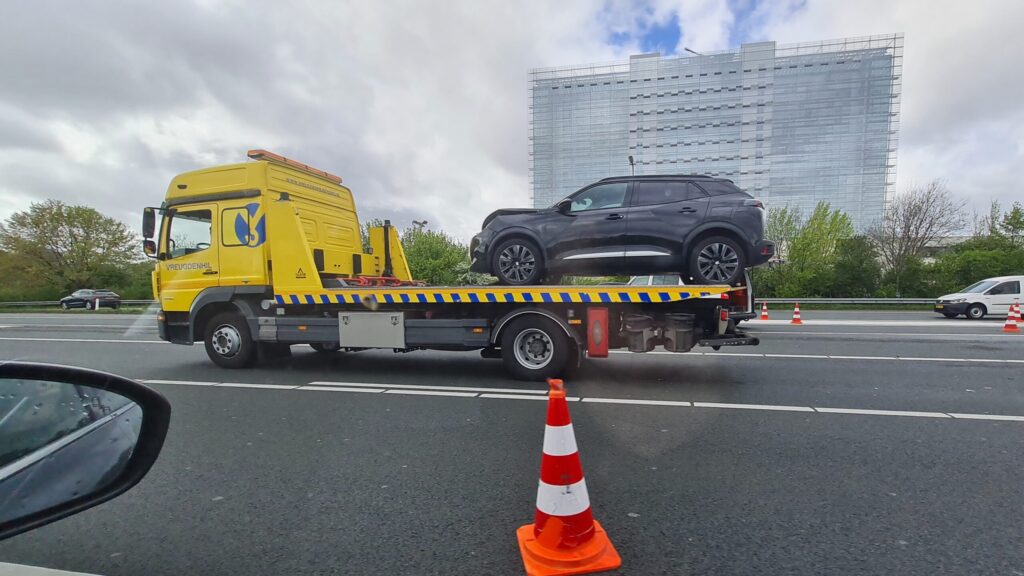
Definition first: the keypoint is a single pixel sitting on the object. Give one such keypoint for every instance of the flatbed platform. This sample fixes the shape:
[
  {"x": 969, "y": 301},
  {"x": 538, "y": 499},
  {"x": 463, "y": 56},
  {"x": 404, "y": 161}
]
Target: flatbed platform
[{"x": 499, "y": 294}]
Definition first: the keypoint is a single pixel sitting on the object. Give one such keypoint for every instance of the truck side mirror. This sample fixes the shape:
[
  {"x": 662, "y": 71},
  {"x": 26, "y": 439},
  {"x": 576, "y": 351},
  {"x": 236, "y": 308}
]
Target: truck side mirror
[
  {"x": 148, "y": 223},
  {"x": 149, "y": 247}
]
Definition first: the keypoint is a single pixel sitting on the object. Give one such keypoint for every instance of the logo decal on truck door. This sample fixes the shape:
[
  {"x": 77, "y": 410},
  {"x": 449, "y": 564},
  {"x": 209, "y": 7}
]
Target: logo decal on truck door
[{"x": 251, "y": 232}]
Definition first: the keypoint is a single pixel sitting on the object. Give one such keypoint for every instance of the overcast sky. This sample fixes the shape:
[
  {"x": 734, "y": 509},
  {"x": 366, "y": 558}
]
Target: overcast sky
[{"x": 422, "y": 106}]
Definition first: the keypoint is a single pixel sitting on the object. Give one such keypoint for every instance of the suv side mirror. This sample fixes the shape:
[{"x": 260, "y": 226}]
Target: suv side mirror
[
  {"x": 564, "y": 206},
  {"x": 71, "y": 439},
  {"x": 148, "y": 223}
]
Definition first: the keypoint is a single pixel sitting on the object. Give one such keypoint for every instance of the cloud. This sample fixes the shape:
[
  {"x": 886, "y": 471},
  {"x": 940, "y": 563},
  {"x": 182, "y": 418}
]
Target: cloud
[
  {"x": 962, "y": 103},
  {"x": 422, "y": 107}
]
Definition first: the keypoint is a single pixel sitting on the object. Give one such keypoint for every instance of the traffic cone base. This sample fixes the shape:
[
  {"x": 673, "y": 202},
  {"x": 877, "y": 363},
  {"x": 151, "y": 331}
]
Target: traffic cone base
[{"x": 595, "y": 555}]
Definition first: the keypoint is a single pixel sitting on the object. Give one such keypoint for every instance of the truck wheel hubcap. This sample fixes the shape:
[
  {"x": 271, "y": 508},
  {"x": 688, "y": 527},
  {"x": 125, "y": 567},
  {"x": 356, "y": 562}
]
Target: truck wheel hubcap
[
  {"x": 516, "y": 263},
  {"x": 226, "y": 340},
  {"x": 533, "y": 348},
  {"x": 718, "y": 262}
]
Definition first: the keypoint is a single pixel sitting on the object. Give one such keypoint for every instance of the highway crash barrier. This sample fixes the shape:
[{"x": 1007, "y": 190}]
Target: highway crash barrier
[{"x": 564, "y": 537}]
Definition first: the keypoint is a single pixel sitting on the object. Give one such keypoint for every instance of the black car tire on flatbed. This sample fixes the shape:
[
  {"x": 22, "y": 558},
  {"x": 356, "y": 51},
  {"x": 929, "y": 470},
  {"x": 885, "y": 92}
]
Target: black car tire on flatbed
[
  {"x": 717, "y": 260},
  {"x": 510, "y": 270},
  {"x": 535, "y": 348},
  {"x": 229, "y": 343}
]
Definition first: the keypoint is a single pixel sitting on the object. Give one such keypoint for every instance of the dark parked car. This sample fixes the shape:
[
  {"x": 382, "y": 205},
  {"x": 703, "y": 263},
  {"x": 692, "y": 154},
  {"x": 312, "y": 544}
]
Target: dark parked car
[
  {"x": 704, "y": 228},
  {"x": 89, "y": 299}
]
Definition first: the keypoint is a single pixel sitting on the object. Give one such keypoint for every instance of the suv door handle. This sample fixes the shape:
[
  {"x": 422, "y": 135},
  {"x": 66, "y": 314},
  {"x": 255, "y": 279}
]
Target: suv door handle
[
  {"x": 614, "y": 217},
  {"x": 210, "y": 272},
  {"x": 688, "y": 210}
]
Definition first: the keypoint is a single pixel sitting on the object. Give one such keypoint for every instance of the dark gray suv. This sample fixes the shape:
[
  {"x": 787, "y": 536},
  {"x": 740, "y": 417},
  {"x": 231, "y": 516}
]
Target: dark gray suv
[{"x": 704, "y": 228}]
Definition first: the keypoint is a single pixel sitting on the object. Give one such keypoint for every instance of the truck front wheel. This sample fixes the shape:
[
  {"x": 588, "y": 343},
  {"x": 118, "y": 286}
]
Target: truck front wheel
[
  {"x": 228, "y": 341},
  {"x": 534, "y": 348}
]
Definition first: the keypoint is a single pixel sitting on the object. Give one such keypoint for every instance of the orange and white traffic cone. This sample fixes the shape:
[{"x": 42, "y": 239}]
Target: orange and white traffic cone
[
  {"x": 1011, "y": 321},
  {"x": 796, "y": 314},
  {"x": 1017, "y": 318},
  {"x": 764, "y": 310},
  {"x": 564, "y": 537}
]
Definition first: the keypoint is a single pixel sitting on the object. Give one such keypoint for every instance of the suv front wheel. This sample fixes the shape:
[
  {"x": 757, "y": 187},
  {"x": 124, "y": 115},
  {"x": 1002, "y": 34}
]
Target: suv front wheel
[
  {"x": 517, "y": 262},
  {"x": 717, "y": 260}
]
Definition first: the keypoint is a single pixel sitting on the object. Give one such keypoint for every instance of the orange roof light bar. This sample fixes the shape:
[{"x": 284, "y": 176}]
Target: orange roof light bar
[{"x": 270, "y": 156}]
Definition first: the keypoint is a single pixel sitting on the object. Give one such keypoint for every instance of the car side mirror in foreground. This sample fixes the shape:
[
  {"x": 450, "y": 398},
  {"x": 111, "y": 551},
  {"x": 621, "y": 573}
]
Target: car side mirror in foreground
[{"x": 70, "y": 439}]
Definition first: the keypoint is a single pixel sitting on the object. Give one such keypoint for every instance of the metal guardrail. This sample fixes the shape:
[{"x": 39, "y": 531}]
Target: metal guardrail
[
  {"x": 57, "y": 303},
  {"x": 890, "y": 301}
]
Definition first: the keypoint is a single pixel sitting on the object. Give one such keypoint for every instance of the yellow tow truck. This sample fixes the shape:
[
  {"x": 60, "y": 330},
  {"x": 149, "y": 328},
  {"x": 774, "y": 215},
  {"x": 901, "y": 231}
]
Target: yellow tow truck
[{"x": 255, "y": 257}]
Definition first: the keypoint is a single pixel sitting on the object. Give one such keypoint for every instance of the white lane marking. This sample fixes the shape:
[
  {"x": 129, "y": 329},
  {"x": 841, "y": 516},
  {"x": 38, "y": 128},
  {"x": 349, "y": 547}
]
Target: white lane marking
[
  {"x": 432, "y": 393},
  {"x": 7, "y": 569},
  {"x": 824, "y": 357},
  {"x": 521, "y": 397},
  {"x": 559, "y": 440},
  {"x": 424, "y": 387},
  {"x": 753, "y": 407},
  {"x": 340, "y": 389},
  {"x": 640, "y": 402},
  {"x": 882, "y": 412},
  {"x": 987, "y": 417},
  {"x": 125, "y": 326},
  {"x": 562, "y": 500},
  {"x": 90, "y": 340},
  {"x": 182, "y": 382},
  {"x": 766, "y": 407},
  {"x": 272, "y": 386},
  {"x": 936, "y": 323},
  {"x": 887, "y": 335}
]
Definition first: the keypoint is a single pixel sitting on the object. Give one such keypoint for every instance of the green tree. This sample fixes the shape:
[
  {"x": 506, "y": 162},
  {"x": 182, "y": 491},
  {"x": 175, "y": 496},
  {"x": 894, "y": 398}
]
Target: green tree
[
  {"x": 857, "y": 272},
  {"x": 67, "y": 247},
  {"x": 809, "y": 268},
  {"x": 435, "y": 257},
  {"x": 1011, "y": 225}
]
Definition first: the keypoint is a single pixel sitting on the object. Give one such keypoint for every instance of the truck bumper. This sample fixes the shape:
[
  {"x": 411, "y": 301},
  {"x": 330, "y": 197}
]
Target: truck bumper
[{"x": 175, "y": 333}]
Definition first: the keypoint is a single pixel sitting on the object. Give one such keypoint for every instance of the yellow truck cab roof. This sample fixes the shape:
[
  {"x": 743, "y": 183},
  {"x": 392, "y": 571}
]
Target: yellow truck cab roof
[{"x": 258, "y": 175}]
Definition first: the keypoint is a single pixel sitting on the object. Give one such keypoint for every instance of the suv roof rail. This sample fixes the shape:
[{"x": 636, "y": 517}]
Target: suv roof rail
[{"x": 665, "y": 176}]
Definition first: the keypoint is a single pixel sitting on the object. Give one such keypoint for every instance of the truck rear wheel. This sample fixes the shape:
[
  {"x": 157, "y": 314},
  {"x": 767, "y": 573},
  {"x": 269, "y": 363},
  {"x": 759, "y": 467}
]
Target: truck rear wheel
[
  {"x": 228, "y": 341},
  {"x": 534, "y": 348}
]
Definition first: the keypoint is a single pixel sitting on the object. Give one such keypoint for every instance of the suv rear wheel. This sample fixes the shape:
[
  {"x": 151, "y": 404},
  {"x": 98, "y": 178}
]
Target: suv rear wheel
[
  {"x": 517, "y": 262},
  {"x": 717, "y": 260}
]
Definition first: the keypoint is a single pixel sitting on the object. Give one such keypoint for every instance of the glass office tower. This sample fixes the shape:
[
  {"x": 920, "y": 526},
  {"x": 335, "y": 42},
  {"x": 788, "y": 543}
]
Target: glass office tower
[{"x": 792, "y": 124}]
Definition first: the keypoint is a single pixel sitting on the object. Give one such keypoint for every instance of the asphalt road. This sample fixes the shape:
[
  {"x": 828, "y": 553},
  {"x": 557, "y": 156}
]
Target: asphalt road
[{"x": 859, "y": 443}]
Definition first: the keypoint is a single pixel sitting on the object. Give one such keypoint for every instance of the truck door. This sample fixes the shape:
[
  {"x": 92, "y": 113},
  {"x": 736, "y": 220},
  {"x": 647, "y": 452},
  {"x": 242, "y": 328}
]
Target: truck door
[
  {"x": 242, "y": 237},
  {"x": 189, "y": 255}
]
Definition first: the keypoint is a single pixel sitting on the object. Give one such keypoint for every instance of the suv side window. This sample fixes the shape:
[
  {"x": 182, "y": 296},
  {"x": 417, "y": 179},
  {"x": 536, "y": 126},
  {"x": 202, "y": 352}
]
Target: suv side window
[
  {"x": 718, "y": 188},
  {"x": 665, "y": 192},
  {"x": 611, "y": 195},
  {"x": 1006, "y": 288}
]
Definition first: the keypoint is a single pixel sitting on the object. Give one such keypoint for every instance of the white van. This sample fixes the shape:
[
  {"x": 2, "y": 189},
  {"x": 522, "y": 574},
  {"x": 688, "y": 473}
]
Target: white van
[{"x": 990, "y": 296}]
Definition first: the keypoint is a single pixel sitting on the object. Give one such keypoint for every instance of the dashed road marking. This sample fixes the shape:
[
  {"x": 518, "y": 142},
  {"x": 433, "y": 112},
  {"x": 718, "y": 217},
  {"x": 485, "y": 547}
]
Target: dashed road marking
[{"x": 463, "y": 392}]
